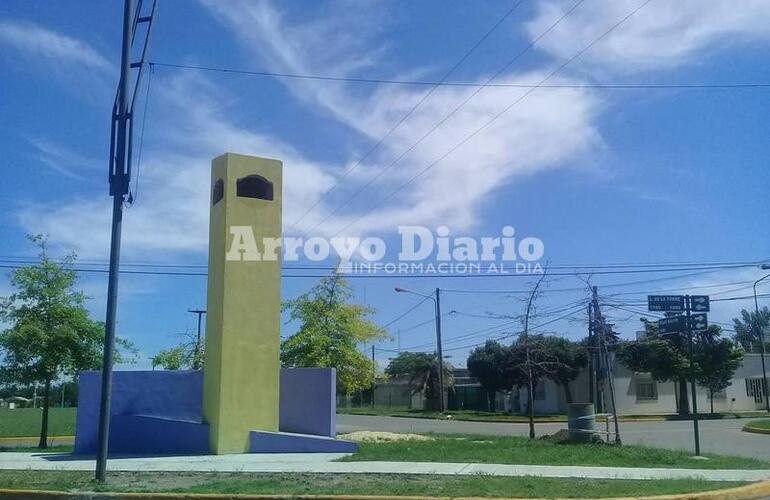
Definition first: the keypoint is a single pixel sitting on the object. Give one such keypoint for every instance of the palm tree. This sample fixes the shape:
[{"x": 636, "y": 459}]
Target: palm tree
[{"x": 420, "y": 370}]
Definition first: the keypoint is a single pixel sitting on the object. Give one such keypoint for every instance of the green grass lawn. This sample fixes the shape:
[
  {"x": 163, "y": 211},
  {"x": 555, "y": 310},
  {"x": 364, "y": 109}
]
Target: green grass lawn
[
  {"x": 759, "y": 426},
  {"x": 21, "y": 422},
  {"x": 519, "y": 450},
  {"x": 356, "y": 484}
]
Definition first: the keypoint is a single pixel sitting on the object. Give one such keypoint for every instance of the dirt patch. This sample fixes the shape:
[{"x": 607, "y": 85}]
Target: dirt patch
[{"x": 383, "y": 437}]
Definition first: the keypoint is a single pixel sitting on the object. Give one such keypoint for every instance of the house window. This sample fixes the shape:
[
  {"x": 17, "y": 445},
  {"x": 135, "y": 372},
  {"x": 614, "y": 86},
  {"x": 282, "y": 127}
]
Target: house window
[
  {"x": 755, "y": 388},
  {"x": 540, "y": 391},
  {"x": 646, "y": 390}
]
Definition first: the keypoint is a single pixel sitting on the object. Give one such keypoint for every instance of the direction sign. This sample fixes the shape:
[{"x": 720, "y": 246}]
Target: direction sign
[
  {"x": 665, "y": 303},
  {"x": 700, "y": 303},
  {"x": 699, "y": 322},
  {"x": 671, "y": 325}
]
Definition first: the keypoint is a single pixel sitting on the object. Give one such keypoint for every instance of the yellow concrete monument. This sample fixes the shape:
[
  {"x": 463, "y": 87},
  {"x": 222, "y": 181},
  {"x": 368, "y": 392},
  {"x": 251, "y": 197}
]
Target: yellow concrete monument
[{"x": 241, "y": 376}]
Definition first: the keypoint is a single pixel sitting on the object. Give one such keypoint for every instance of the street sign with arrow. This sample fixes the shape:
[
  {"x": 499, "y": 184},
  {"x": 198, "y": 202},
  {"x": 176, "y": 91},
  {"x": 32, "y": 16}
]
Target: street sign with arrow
[
  {"x": 699, "y": 322},
  {"x": 700, "y": 303}
]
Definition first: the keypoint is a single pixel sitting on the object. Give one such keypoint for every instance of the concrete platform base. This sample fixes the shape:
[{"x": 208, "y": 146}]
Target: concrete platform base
[{"x": 288, "y": 442}]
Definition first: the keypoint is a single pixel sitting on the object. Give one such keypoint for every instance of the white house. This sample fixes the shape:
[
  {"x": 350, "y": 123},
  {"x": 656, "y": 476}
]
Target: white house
[{"x": 639, "y": 394}]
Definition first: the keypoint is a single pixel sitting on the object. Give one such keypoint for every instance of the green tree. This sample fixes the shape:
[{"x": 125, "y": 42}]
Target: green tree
[
  {"x": 173, "y": 358},
  {"x": 564, "y": 361},
  {"x": 420, "y": 370},
  {"x": 716, "y": 360},
  {"x": 748, "y": 329},
  {"x": 518, "y": 370},
  {"x": 50, "y": 333},
  {"x": 665, "y": 358},
  {"x": 488, "y": 365},
  {"x": 188, "y": 355},
  {"x": 330, "y": 333}
]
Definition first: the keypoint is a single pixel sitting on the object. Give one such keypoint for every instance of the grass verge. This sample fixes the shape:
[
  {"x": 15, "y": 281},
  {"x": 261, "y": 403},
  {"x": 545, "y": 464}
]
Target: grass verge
[
  {"x": 519, "y": 450},
  {"x": 488, "y": 416},
  {"x": 24, "y": 422},
  {"x": 353, "y": 484},
  {"x": 465, "y": 415},
  {"x": 758, "y": 426}
]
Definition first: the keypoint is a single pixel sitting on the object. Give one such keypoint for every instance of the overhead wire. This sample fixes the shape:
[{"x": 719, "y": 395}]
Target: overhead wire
[
  {"x": 408, "y": 114},
  {"x": 446, "y": 117},
  {"x": 439, "y": 83},
  {"x": 494, "y": 118}
]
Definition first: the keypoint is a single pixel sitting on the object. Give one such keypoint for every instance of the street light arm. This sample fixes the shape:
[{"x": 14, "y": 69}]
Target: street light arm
[
  {"x": 756, "y": 302},
  {"x": 404, "y": 290}
]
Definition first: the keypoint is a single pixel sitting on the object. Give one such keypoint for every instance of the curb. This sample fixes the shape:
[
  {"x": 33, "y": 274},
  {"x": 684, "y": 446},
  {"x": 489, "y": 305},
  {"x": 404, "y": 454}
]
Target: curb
[
  {"x": 755, "y": 430},
  {"x": 751, "y": 491}
]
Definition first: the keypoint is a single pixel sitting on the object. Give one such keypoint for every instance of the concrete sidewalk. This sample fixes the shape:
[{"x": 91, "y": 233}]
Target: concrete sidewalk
[{"x": 325, "y": 463}]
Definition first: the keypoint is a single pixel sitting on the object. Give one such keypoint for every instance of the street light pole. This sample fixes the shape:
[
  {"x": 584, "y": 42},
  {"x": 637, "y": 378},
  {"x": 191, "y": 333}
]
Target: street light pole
[
  {"x": 761, "y": 336},
  {"x": 439, "y": 352},
  {"x": 196, "y": 364}
]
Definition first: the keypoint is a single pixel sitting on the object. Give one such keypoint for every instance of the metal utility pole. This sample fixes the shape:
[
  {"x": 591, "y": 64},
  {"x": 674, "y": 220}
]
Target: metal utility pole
[
  {"x": 602, "y": 328},
  {"x": 119, "y": 181},
  {"x": 591, "y": 356},
  {"x": 374, "y": 374},
  {"x": 196, "y": 364},
  {"x": 439, "y": 351},
  {"x": 692, "y": 376},
  {"x": 761, "y": 336}
]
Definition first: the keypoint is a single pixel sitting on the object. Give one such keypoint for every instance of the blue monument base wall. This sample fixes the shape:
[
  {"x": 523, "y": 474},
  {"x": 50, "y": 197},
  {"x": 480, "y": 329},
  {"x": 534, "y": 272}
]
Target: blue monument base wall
[
  {"x": 287, "y": 442},
  {"x": 161, "y": 412}
]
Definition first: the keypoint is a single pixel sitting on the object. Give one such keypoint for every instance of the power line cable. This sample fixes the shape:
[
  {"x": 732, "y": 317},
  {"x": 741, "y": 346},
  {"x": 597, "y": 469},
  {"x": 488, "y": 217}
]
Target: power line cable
[
  {"x": 509, "y": 335},
  {"x": 132, "y": 197},
  {"x": 495, "y": 117},
  {"x": 394, "y": 276},
  {"x": 409, "y": 113},
  {"x": 512, "y": 320},
  {"x": 443, "y": 120},
  {"x": 439, "y": 83},
  {"x": 29, "y": 259},
  {"x": 405, "y": 313}
]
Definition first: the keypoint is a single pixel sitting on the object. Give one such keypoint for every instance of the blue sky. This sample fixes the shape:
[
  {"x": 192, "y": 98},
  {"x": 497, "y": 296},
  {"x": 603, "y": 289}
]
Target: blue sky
[{"x": 600, "y": 176}]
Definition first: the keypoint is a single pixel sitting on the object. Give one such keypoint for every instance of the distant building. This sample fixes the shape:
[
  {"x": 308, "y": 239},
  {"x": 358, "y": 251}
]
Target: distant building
[{"x": 635, "y": 393}]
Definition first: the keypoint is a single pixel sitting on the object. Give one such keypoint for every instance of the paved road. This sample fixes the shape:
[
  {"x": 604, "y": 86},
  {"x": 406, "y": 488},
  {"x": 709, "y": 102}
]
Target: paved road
[{"x": 717, "y": 436}]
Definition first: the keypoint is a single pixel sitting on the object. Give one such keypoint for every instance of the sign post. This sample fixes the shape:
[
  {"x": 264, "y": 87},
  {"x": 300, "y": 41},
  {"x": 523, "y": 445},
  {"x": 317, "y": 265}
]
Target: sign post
[
  {"x": 690, "y": 329},
  {"x": 688, "y": 324}
]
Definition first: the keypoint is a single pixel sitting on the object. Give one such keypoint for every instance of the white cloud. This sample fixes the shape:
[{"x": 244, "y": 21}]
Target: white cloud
[
  {"x": 34, "y": 40},
  {"x": 62, "y": 160},
  {"x": 662, "y": 35},
  {"x": 337, "y": 42},
  {"x": 545, "y": 131},
  {"x": 172, "y": 209}
]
